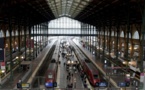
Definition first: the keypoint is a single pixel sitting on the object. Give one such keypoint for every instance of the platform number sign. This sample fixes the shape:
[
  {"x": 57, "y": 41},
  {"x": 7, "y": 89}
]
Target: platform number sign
[
  {"x": 102, "y": 84},
  {"x": 123, "y": 84},
  {"x": 2, "y": 50}
]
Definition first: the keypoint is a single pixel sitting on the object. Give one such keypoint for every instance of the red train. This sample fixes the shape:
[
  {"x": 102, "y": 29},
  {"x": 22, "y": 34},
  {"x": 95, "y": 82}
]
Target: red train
[
  {"x": 51, "y": 74},
  {"x": 91, "y": 72}
]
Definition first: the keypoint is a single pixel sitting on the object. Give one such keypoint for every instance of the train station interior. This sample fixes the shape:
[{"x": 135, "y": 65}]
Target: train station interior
[{"x": 72, "y": 44}]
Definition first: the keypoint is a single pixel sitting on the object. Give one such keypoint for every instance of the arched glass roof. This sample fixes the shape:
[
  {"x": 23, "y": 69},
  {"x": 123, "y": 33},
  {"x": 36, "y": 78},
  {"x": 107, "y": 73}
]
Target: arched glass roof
[{"x": 70, "y": 8}]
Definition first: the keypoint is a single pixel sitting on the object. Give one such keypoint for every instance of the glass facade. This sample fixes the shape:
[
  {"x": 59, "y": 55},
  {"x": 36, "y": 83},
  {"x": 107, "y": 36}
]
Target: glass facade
[{"x": 64, "y": 25}]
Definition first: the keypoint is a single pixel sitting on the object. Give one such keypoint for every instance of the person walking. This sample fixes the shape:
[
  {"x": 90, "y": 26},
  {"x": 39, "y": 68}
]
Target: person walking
[{"x": 67, "y": 77}]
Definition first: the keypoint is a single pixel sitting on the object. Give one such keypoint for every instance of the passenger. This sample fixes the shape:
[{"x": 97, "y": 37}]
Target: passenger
[
  {"x": 67, "y": 85},
  {"x": 69, "y": 73},
  {"x": 71, "y": 85},
  {"x": 82, "y": 75},
  {"x": 27, "y": 68},
  {"x": 64, "y": 63},
  {"x": 85, "y": 76},
  {"x": 85, "y": 85},
  {"x": 67, "y": 68},
  {"x": 84, "y": 81},
  {"x": 67, "y": 77},
  {"x": 58, "y": 56},
  {"x": 75, "y": 71},
  {"x": 59, "y": 62}
]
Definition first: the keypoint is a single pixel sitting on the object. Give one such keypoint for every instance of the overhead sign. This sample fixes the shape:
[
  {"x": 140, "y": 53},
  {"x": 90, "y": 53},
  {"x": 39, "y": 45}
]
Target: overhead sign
[
  {"x": 103, "y": 84},
  {"x": 3, "y": 66},
  {"x": 122, "y": 84},
  {"x": 142, "y": 76},
  {"x": 25, "y": 85}
]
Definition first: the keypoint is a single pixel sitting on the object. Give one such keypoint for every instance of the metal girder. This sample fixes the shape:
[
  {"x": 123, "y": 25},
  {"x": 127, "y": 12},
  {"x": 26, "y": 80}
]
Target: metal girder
[
  {"x": 116, "y": 7},
  {"x": 64, "y": 34},
  {"x": 39, "y": 10}
]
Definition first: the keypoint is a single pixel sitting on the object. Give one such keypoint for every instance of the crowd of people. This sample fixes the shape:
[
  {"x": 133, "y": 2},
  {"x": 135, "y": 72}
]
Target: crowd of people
[{"x": 71, "y": 69}]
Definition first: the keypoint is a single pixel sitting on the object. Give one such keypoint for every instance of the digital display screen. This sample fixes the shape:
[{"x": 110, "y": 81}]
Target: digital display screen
[
  {"x": 122, "y": 84},
  {"x": 103, "y": 84},
  {"x": 49, "y": 84}
]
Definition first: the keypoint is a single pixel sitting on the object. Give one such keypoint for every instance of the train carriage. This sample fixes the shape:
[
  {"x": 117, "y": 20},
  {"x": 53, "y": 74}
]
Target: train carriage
[
  {"x": 92, "y": 72},
  {"x": 51, "y": 74}
]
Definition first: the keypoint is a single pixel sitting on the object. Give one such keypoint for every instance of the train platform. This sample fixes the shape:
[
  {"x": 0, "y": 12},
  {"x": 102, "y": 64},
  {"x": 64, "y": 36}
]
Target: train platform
[
  {"x": 24, "y": 75},
  {"x": 62, "y": 74},
  {"x": 109, "y": 73}
]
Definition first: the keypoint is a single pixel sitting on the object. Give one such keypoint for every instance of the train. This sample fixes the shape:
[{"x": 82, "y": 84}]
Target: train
[
  {"x": 51, "y": 73},
  {"x": 91, "y": 72},
  {"x": 88, "y": 68}
]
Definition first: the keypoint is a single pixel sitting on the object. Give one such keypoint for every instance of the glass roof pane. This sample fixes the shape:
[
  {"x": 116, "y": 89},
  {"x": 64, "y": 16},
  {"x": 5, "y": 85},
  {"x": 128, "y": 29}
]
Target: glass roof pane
[
  {"x": 75, "y": 4},
  {"x": 67, "y": 7},
  {"x": 57, "y": 5},
  {"x": 63, "y": 5},
  {"x": 57, "y": 1},
  {"x": 68, "y": 4},
  {"x": 77, "y": 0},
  {"x": 88, "y": 0},
  {"x": 53, "y": 3},
  {"x": 63, "y": 2},
  {"x": 81, "y": 6},
  {"x": 73, "y": 7},
  {"x": 84, "y": 3},
  {"x": 69, "y": 1}
]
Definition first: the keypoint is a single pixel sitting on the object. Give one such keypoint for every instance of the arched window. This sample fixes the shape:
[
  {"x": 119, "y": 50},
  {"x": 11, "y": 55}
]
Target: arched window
[
  {"x": 136, "y": 35},
  {"x": 1, "y": 33},
  {"x": 16, "y": 32},
  {"x": 13, "y": 33},
  {"x": 22, "y": 32},
  {"x": 7, "y": 33},
  {"x": 112, "y": 33},
  {"x": 122, "y": 34}
]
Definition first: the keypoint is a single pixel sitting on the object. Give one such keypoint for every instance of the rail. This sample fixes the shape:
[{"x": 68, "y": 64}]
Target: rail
[{"x": 37, "y": 68}]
